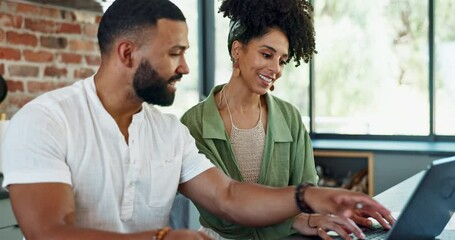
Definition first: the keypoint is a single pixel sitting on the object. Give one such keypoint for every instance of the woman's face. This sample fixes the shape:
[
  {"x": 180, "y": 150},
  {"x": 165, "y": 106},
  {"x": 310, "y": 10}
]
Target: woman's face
[{"x": 262, "y": 60}]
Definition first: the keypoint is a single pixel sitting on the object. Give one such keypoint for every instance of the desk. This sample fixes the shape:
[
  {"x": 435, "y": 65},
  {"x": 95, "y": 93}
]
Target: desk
[{"x": 396, "y": 197}]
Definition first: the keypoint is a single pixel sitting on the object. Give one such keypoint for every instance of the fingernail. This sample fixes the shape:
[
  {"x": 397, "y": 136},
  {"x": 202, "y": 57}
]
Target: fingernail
[
  {"x": 370, "y": 223},
  {"x": 362, "y": 235}
]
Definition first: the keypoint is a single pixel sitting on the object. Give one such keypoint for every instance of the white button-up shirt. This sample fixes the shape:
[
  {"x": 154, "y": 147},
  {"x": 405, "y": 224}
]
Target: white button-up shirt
[{"x": 67, "y": 136}]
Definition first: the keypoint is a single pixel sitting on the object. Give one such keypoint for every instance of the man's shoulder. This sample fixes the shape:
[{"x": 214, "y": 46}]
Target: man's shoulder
[
  {"x": 56, "y": 96},
  {"x": 54, "y": 102}
]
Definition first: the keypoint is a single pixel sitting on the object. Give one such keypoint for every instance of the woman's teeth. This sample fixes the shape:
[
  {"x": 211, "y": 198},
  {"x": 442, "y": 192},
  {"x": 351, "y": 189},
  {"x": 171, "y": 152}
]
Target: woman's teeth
[{"x": 268, "y": 80}]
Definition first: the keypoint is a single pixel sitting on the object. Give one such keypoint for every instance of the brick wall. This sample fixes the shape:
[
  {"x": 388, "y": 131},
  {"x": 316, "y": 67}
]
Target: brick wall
[{"x": 43, "y": 48}]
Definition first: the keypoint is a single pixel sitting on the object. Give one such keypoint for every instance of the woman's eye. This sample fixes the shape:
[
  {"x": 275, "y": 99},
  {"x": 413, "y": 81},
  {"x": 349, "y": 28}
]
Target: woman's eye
[{"x": 266, "y": 55}]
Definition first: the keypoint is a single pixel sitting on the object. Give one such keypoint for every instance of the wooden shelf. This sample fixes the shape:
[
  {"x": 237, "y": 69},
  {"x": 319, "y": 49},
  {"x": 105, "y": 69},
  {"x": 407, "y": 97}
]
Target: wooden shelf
[{"x": 342, "y": 167}]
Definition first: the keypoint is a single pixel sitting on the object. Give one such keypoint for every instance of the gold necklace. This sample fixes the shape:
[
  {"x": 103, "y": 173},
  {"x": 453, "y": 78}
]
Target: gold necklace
[{"x": 220, "y": 100}]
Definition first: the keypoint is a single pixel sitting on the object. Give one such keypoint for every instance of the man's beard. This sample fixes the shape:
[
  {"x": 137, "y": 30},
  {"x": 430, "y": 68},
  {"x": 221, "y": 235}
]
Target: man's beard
[{"x": 151, "y": 87}]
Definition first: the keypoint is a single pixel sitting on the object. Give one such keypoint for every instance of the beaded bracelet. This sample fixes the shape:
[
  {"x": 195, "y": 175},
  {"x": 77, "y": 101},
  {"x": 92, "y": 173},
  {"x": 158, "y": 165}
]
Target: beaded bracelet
[
  {"x": 161, "y": 233},
  {"x": 300, "y": 197}
]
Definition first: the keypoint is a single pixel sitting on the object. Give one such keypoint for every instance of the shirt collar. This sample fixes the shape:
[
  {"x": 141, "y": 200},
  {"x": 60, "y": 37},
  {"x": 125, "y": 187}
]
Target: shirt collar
[{"x": 213, "y": 126}]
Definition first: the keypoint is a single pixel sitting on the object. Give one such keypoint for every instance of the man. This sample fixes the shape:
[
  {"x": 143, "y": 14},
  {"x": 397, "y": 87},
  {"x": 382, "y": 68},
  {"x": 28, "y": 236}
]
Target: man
[{"x": 93, "y": 161}]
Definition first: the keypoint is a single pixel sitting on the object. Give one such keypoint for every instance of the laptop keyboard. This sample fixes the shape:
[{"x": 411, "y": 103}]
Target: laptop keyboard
[
  {"x": 375, "y": 234},
  {"x": 371, "y": 234}
]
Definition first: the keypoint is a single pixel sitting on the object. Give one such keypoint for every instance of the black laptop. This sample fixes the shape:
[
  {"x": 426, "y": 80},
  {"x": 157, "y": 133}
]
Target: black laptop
[{"x": 429, "y": 208}]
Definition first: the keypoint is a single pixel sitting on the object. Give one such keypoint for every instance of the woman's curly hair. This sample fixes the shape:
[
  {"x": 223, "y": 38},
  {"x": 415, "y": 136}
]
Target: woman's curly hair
[{"x": 293, "y": 17}]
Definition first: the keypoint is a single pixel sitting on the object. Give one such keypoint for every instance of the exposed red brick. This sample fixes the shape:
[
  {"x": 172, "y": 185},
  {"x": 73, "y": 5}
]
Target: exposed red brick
[
  {"x": 21, "y": 38},
  {"x": 55, "y": 72},
  {"x": 19, "y": 100},
  {"x": 27, "y": 9},
  {"x": 41, "y": 87},
  {"x": 91, "y": 30},
  {"x": 68, "y": 15},
  {"x": 71, "y": 58},
  {"x": 15, "y": 86},
  {"x": 23, "y": 71},
  {"x": 53, "y": 13},
  {"x": 41, "y": 25},
  {"x": 2, "y": 69},
  {"x": 10, "y": 54},
  {"x": 93, "y": 60},
  {"x": 54, "y": 42},
  {"x": 69, "y": 28},
  {"x": 2, "y": 35},
  {"x": 38, "y": 56},
  {"x": 8, "y": 20},
  {"x": 79, "y": 45},
  {"x": 98, "y": 19},
  {"x": 83, "y": 73}
]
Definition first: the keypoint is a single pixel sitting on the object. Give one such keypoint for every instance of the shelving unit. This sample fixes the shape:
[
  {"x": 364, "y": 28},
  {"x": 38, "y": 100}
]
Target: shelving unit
[{"x": 345, "y": 169}]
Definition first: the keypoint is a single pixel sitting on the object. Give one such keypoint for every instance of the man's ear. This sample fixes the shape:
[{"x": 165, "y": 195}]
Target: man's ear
[{"x": 125, "y": 52}]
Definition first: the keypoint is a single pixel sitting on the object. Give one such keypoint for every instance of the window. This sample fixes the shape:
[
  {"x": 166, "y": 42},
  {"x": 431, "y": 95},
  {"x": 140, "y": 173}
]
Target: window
[
  {"x": 444, "y": 67},
  {"x": 384, "y": 69},
  {"x": 371, "y": 70}
]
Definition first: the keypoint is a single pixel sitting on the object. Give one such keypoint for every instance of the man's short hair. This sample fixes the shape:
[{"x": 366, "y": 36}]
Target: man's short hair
[{"x": 130, "y": 17}]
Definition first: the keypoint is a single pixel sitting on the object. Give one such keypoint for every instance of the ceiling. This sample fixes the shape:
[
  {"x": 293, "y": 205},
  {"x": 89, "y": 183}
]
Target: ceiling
[{"x": 89, "y": 5}]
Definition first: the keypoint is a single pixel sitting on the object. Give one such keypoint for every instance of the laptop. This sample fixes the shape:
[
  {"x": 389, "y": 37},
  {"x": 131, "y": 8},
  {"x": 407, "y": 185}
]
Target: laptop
[{"x": 429, "y": 208}]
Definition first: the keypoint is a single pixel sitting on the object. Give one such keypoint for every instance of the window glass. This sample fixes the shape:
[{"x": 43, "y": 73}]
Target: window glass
[
  {"x": 292, "y": 86},
  {"x": 444, "y": 67},
  {"x": 187, "y": 89},
  {"x": 223, "y": 64},
  {"x": 371, "y": 70}
]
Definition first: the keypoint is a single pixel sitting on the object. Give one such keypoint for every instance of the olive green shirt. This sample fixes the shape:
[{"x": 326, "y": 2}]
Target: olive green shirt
[{"x": 287, "y": 158}]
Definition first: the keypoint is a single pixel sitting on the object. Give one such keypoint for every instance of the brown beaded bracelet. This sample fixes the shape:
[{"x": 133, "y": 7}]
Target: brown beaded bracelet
[
  {"x": 161, "y": 233},
  {"x": 300, "y": 197}
]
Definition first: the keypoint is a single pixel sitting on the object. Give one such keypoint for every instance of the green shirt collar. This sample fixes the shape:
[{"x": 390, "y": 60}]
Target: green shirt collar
[{"x": 213, "y": 126}]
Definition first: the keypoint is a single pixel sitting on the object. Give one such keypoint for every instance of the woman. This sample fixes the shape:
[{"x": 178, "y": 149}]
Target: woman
[{"x": 252, "y": 135}]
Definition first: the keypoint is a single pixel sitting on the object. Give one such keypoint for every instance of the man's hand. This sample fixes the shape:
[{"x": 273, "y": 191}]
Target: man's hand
[
  {"x": 187, "y": 235},
  {"x": 345, "y": 203}
]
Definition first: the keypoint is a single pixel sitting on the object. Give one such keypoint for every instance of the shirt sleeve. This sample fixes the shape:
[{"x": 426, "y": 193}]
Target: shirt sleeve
[
  {"x": 194, "y": 163},
  {"x": 34, "y": 148}
]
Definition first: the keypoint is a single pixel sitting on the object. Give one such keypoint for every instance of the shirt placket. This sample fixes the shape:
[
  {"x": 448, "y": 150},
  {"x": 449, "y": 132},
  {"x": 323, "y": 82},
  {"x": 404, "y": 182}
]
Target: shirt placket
[{"x": 129, "y": 192}]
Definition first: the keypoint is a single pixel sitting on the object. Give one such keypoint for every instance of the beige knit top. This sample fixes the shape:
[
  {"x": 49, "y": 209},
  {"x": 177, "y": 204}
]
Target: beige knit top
[{"x": 248, "y": 147}]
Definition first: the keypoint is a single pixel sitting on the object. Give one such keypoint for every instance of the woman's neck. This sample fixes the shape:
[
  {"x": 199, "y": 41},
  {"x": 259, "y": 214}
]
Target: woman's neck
[{"x": 240, "y": 97}]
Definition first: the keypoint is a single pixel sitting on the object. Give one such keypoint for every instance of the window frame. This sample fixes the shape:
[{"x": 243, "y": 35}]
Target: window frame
[{"x": 207, "y": 73}]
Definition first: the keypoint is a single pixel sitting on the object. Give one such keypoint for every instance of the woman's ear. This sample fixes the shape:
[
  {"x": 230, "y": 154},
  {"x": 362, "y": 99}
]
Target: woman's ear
[{"x": 235, "y": 50}]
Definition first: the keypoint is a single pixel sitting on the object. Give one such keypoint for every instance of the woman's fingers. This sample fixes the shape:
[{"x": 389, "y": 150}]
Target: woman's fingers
[
  {"x": 323, "y": 234},
  {"x": 386, "y": 224},
  {"x": 344, "y": 226},
  {"x": 361, "y": 219}
]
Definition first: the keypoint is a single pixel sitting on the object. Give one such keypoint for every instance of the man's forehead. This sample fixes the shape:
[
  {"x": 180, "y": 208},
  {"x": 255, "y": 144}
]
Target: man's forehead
[{"x": 171, "y": 33}]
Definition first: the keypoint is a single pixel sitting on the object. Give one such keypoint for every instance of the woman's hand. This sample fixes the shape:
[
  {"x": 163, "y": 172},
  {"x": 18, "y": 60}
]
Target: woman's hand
[
  {"x": 361, "y": 217},
  {"x": 319, "y": 224}
]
